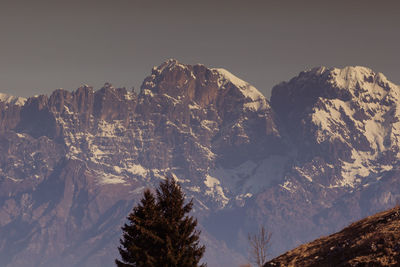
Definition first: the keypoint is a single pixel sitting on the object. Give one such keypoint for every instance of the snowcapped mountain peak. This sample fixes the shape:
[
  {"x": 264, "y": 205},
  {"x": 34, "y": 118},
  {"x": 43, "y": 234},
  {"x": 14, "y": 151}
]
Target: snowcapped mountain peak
[
  {"x": 357, "y": 81},
  {"x": 228, "y": 76},
  {"x": 10, "y": 99},
  {"x": 350, "y": 75},
  {"x": 202, "y": 85},
  {"x": 364, "y": 83},
  {"x": 347, "y": 109},
  {"x": 318, "y": 70},
  {"x": 168, "y": 65},
  {"x": 257, "y": 99},
  {"x": 346, "y": 75},
  {"x": 353, "y": 71}
]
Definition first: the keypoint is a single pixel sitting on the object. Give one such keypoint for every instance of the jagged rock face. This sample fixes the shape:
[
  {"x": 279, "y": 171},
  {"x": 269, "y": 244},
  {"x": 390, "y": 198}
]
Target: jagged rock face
[
  {"x": 68, "y": 219},
  {"x": 348, "y": 117},
  {"x": 206, "y": 110},
  {"x": 9, "y": 116},
  {"x": 73, "y": 164},
  {"x": 342, "y": 124}
]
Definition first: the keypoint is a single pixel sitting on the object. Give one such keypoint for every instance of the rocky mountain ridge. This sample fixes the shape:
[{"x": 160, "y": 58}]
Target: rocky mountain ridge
[{"x": 74, "y": 163}]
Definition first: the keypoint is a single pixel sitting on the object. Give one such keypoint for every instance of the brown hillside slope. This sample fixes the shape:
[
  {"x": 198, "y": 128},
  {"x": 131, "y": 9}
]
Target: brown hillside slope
[{"x": 373, "y": 241}]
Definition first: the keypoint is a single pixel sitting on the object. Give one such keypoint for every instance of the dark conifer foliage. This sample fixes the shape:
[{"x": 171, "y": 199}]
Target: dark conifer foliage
[
  {"x": 139, "y": 237},
  {"x": 160, "y": 233}
]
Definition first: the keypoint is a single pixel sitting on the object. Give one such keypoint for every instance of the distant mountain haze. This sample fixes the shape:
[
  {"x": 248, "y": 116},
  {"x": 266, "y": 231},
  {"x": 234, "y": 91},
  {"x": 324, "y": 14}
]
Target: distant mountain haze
[{"x": 323, "y": 152}]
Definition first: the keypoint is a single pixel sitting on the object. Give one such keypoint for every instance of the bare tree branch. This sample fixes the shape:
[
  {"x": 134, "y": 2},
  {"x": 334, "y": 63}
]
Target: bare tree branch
[{"x": 259, "y": 246}]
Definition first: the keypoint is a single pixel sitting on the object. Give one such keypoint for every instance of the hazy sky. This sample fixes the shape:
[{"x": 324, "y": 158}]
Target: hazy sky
[{"x": 46, "y": 45}]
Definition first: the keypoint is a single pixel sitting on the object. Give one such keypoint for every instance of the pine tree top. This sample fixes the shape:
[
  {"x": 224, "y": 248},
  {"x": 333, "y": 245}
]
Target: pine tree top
[{"x": 160, "y": 232}]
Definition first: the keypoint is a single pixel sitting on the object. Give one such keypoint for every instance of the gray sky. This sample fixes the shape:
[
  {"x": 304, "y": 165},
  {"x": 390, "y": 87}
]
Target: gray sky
[{"x": 46, "y": 45}]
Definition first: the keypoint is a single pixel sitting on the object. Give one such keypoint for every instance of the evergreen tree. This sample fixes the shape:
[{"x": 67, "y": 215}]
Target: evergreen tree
[
  {"x": 180, "y": 239},
  {"x": 160, "y": 233},
  {"x": 139, "y": 236}
]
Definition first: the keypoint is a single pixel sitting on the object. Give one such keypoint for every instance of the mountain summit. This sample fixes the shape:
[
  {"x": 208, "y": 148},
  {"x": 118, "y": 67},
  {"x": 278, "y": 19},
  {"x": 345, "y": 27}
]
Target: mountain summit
[{"x": 322, "y": 152}]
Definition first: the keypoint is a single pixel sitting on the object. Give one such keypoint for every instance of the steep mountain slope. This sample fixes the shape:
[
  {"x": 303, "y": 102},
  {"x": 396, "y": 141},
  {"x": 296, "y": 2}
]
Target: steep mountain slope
[
  {"x": 350, "y": 112},
  {"x": 342, "y": 124},
  {"x": 373, "y": 241},
  {"x": 322, "y": 153},
  {"x": 14, "y": 100},
  {"x": 74, "y": 163}
]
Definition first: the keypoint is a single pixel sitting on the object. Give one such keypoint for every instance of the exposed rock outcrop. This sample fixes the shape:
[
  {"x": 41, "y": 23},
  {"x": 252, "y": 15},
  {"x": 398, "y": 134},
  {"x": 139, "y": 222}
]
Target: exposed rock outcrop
[{"x": 324, "y": 152}]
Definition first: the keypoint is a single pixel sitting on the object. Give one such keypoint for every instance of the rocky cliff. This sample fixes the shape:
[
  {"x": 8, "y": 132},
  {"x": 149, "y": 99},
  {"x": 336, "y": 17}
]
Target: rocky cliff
[
  {"x": 321, "y": 153},
  {"x": 343, "y": 128}
]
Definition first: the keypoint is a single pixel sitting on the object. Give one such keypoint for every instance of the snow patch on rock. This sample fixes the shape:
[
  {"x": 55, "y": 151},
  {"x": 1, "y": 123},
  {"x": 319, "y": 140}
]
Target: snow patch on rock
[
  {"x": 256, "y": 100},
  {"x": 368, "y": 115},
  {"x": 215, "y": 189},
  {"x": 14, "y": 100},
  {"x": 106, "y": 179}
]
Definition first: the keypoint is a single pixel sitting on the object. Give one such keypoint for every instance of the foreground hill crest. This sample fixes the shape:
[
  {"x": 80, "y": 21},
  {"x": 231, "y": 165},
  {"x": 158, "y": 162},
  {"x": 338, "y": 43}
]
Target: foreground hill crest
[{"x": 373, "y": 241}]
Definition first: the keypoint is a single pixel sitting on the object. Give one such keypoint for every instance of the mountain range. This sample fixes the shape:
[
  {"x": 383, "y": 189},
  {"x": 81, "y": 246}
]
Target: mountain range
[{"x": 322, "y": 152}]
